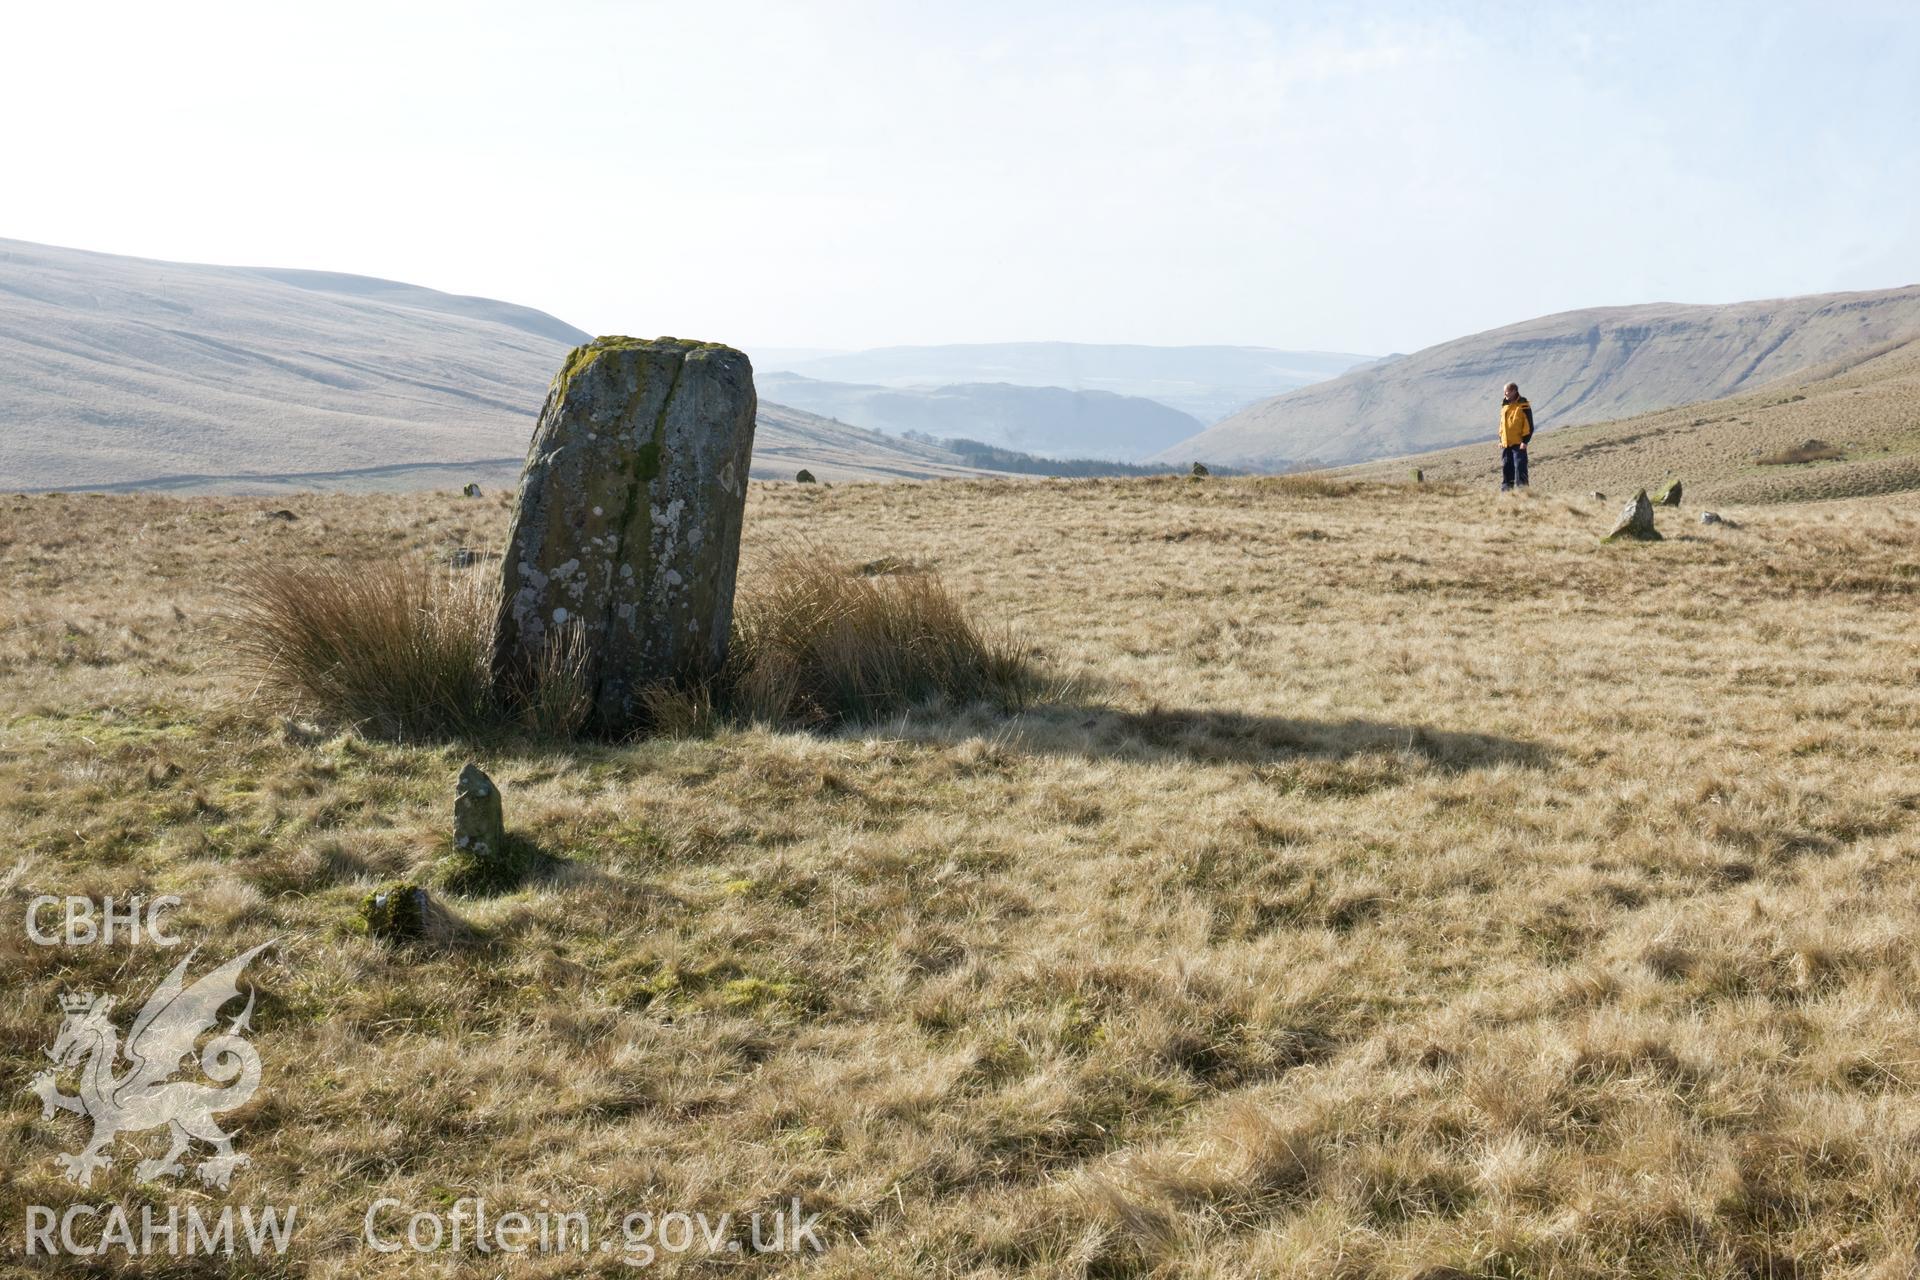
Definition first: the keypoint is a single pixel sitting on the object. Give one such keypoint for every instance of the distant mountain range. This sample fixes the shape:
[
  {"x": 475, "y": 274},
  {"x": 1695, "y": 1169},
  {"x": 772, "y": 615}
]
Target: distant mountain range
[
  {"x": 1049, "y": 421},
  {"x": 1576, "y": 367},
  {"x": 1204, "y": 382},
  {"x": 120, "y": 372}
]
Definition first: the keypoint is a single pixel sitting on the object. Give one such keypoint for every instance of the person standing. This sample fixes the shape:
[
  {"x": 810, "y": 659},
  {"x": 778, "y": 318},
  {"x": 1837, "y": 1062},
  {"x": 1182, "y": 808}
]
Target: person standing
[{"x": 1516, "y": 428}]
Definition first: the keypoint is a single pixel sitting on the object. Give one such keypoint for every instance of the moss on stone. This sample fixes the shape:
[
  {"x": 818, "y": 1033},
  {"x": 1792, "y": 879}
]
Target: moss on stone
[
  {"x": 397, "y": 911},
  {"x": 582, "y": 357},
  {"x": 648, "y": 461}
]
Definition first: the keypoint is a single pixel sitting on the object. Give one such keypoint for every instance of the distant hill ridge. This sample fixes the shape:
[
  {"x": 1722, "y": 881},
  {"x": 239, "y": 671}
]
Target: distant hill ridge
[
  {"x": 1206, "y": 382},
  {"x": 1576, "y": 367},
  {"x": 119, "y": 372},
  {"x": 1050, "y": 421},
  {"x": 395, "y": 293}
]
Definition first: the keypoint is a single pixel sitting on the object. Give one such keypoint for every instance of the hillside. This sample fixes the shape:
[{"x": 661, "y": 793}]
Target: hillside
[
  {"x": 786, "y": 440},
  {"x": 1050, "y": 421},
  {"x": 1734, "y": 450},
  {"x": 1396, "y": 884},
  {"x": 121, "y": 372},
  {"x": 1577, "y": 367},
  {"x": 1206, "y": 382}
]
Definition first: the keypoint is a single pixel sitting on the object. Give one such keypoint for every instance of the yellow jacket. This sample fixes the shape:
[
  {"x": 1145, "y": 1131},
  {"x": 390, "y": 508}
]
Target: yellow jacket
[{"x": 1516, "y": 422}]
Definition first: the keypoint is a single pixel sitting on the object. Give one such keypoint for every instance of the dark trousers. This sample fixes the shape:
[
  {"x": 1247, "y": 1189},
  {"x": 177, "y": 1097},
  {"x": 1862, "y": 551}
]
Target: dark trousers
[{"x": 1513, "y": 466}]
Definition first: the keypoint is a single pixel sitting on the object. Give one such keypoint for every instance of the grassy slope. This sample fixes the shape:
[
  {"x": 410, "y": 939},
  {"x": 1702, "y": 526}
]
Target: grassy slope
[
  {"x": 1409, "y": 883},
  {"x": 1870, "y": 410}
]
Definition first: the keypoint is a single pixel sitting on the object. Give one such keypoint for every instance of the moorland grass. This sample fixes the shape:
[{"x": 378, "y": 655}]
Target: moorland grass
[
  {"x": 397, "y": 648},
  {"x": 1420, "y": 891},
  {"x": 1807, "y": 451},
  {"x": 816, "y": 643}
]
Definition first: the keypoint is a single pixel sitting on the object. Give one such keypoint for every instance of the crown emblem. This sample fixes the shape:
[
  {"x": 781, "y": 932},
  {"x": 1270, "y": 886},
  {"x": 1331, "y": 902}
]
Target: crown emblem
[{"x": 78, "y": 1001}]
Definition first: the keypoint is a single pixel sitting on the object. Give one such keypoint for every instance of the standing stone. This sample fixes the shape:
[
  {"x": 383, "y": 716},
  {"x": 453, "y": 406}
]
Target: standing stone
[
  {"x": 627, "y": 528},
  {"x": 479, "y": 825},
  {"x": 484, "y": 859},
  {"x": 803, "y": 476},
  {"x": 1200, "y": 469},
  {"x": 470, "y": 490},
  {"x": 1636, "y": 521},
  {"x": 1419, "y": 476},
  {"x": 1669, "y": 496}
]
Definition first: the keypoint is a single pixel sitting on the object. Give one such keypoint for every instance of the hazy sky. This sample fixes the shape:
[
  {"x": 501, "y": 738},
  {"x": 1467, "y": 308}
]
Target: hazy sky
[{"x": 1341, "y": 176}]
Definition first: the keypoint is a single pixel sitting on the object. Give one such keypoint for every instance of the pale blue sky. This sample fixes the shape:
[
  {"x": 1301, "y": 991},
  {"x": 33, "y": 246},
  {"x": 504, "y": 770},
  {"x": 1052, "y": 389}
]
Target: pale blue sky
[{"x": 1336, "y": 176}]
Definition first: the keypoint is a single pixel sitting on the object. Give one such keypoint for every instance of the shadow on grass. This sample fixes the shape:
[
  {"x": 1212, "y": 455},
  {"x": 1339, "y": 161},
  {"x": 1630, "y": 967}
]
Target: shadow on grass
[
  {"x": 1230, "y": 737},
  {"x": 523, "y": 861}
]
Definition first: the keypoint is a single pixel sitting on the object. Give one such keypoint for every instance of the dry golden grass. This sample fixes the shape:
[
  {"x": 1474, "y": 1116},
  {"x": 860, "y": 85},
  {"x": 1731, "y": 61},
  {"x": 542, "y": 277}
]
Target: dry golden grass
[
  {"x": 820, "y": 642},
  {"x": 1410, "y": 887},
  {"x": 396, "y": 647},
  {"x": 1804, "y": 452}
]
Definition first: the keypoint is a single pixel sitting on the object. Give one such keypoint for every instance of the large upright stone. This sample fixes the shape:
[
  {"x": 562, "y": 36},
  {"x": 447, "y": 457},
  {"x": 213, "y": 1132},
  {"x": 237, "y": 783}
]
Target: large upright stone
[{"x": 627, "y": 528}]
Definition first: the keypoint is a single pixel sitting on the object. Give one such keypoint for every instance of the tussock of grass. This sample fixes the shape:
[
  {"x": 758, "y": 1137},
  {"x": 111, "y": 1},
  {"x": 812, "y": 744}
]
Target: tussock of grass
[
  {"x": 399, "y": 649},
  {"x": 1811, "y": 451},
  {"x": 403, "y": 650},
  {"x": 554, "y": 700},
  {"x": 815, "y": 643}
]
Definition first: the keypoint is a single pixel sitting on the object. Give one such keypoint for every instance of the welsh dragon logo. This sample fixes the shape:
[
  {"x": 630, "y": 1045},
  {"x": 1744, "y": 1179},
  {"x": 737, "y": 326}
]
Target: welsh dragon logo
[{"x": 145, "y": 1096}]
